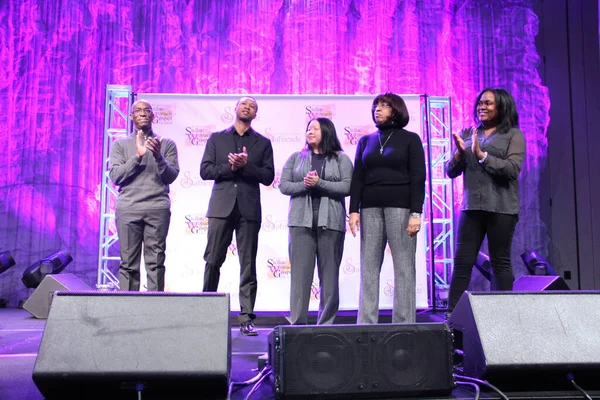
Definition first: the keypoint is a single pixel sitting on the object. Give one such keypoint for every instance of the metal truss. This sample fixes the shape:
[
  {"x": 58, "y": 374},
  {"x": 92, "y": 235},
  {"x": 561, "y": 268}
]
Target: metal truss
[
  {"x": 438, "y": 215},
  {"x": 116, "y": 125}
]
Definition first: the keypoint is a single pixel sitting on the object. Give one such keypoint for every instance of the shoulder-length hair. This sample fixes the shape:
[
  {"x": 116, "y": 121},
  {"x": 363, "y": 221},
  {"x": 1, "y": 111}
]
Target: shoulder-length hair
[
  {"x": 507, "y": 110},
  {"x": 330, "y": 144},
  {"x": 400, "y": 115}
]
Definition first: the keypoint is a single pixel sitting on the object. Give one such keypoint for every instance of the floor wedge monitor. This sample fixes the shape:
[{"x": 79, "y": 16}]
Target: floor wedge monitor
[
  {"x": 107, "y": 345},
  {"x": 529, "y": 340}
]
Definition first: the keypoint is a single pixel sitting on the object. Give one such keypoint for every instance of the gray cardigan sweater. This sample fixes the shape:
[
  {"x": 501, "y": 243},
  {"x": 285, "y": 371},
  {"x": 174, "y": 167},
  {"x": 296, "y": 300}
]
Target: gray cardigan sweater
[{"x": 334, "y": 186}]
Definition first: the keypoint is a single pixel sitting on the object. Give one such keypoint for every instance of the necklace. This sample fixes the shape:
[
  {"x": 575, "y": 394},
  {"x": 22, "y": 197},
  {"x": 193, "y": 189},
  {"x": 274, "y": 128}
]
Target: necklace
[{"x": 381, "y": 146}]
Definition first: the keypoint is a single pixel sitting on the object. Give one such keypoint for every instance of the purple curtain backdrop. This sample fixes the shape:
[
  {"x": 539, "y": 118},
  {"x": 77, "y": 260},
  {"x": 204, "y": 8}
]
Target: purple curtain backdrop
[{"x": 56, "y": 59}]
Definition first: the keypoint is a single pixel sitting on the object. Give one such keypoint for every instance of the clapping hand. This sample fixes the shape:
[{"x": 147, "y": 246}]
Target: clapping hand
[
  {"x": 238, "y": 160},
  {"x": 475, "y": 145},
  {"x": 154, "y": 144},
  {"x": 311, "y": 179},
  {"x": 140, "y": 146}
]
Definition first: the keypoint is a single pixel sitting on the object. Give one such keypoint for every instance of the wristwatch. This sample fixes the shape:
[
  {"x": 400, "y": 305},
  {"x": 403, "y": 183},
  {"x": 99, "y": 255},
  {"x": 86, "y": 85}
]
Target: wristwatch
[
  {"x": 485, "y": 154},
  {"x": 415, "y": 215}
]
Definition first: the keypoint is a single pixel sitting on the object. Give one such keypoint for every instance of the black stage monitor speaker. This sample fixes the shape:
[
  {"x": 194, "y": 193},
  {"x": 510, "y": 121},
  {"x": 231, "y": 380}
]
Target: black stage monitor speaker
[
  {"x": 39, "y": 302},
  {"x": 361, "y": 361},
  {"x": 529, "y": 340},
  {"x": 105, "y": 345},
  {"x": 536, "y": 283}
]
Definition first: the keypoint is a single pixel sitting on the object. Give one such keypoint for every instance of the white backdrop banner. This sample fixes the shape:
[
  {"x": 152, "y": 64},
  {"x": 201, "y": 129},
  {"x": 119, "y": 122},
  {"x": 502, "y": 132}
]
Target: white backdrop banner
[{"x": 190, "y": 119}]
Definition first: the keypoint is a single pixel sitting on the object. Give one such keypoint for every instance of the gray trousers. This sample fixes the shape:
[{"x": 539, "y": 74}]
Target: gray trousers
[
  {"x": 306, "y": 245},
  {"x": 150, "y": 228},
  {"x": 378, "y": 227}
]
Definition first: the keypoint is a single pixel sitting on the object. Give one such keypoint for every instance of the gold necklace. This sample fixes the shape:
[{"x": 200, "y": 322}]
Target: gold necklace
[{"x": 381, "y": 146}]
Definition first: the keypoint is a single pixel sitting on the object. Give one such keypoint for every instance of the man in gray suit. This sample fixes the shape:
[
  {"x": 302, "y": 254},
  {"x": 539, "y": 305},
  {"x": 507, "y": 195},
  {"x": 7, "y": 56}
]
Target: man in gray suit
[
  {"x": 238, "y": 159},
  {"x": 143, "y": 165}
]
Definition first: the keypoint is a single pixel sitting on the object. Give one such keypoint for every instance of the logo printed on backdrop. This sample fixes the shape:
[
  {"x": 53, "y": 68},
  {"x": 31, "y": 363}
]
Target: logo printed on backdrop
[
  {"x": 388, "y": 289},
  {"x": 163, "y": 114},
  {"x": 349, "y": 268},
  {"x": 192, "y": 179},
  {"x": 195, "y": 224},
  {"x": 279, "y": 267},
  {"x": 315, "y": 291},
  {"x": 354, "y": 132},
  {"x": 270, "y": 225},
  {"x": 282, "y": 138},
  {"x": 189, "y": 271},
  {"x": 197, "y": 135},
  {"x": 228, "y": 115},
  {"x": 317, "y": 111},
  {"x": 232, "y": 249},
  {"x": 276, "y": 180}
]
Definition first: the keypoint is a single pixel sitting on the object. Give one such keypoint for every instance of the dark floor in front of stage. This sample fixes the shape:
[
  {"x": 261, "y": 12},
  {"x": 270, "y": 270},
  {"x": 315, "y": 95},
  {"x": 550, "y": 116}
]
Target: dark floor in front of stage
[{"x": 20, "y": 336}]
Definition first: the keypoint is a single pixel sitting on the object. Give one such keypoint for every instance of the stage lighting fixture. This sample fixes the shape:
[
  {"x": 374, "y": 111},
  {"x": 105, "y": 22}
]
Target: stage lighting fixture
[
  {"x": 6, "y": 261},
  {"x": 536, "y": 264},
  {"x": 484, "y": 266},
  {"x": 53, "y": 264}
]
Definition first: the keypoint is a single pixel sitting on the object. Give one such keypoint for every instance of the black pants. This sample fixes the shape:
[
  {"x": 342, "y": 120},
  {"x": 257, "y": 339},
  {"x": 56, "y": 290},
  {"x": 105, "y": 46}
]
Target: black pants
[
  {"x": 220, "y": 233},
  {"x": 472, "y": 228}
]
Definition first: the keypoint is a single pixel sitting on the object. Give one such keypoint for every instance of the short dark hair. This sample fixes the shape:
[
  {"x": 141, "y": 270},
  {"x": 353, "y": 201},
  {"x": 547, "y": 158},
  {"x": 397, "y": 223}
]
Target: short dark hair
[
  {"x": 135, "y": 103},
  {"x": 247, "y": 97},
  {"x": 330, "y": 144},
  {"x": 400, "y": 115},
  {"x": 507, "y": 110}
]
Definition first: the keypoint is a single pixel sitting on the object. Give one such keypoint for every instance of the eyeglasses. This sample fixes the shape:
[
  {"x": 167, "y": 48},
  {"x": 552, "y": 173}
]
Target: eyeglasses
[
  {"x": 381, "y": 105},
  {"x": 140, "y": 111}
]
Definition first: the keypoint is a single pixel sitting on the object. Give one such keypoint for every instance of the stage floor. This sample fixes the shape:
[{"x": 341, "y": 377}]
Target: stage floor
[{"x": 20, "y": 336}]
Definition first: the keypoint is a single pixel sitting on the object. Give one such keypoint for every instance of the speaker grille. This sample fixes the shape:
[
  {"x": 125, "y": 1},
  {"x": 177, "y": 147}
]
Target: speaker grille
[
  {"x": 324, "y": 360},
  {"x": 368, "y": 361}
]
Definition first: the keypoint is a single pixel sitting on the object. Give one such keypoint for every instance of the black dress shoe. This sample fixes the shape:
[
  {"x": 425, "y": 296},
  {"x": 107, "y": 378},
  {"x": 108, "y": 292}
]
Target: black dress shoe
[{"x": 248, "y": 329}]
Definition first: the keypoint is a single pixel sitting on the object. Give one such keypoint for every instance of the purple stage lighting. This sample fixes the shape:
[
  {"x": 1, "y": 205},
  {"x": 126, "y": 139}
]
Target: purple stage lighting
[
  {"x": 6, "y": 261},
  {"x": 536, "y": 264},
  {"x": 53, "y": 264}
]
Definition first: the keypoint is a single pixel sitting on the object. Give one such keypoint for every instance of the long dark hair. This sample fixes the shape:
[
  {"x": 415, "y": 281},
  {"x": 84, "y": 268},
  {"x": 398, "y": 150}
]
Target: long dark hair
[
  {"x": 330, "y": 144},
  {"x": 400, "y": 115},
  {"x": 507, "y": 110}
]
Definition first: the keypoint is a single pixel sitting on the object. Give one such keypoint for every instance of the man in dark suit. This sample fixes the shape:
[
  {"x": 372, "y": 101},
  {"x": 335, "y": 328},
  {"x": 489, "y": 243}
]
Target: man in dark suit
[{"x": 237, "y": 159}]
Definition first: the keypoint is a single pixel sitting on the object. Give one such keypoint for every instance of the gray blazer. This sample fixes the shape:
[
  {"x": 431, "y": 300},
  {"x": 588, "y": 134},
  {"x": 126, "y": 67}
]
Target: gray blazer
[{"x": 334, "y": 186}]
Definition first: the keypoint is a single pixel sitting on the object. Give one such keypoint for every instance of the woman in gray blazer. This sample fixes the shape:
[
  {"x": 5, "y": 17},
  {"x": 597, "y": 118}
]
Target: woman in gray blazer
[{"x": 317, "y": 179}]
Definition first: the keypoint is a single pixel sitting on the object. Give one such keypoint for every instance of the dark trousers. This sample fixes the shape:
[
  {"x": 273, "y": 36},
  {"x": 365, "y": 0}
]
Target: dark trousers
[
  {"x": 220, "y": 233},
  {"x": 306, "y": 245},
  {"x": 472, "y": 228},
  {"x": 150, "y": 228}
]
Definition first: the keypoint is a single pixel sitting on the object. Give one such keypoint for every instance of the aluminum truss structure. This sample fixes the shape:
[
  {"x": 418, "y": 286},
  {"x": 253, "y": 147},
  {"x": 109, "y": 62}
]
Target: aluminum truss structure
[
  {"x": 116, "y": 125},
  {"x": 438, "y": 215}
]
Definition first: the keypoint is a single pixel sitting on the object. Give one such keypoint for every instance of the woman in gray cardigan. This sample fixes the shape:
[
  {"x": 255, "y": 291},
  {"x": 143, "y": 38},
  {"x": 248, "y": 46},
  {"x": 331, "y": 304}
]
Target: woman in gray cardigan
[{"x": 317, "y": 179}]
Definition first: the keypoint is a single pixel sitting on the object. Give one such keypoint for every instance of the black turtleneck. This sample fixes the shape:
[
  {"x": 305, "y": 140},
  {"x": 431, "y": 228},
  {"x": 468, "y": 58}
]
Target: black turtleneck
[{"x": 394, "y": 178}]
